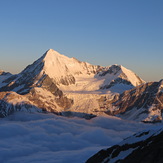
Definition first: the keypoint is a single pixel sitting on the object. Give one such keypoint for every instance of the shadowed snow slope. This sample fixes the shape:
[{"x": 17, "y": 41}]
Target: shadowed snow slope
[{"x": 144, "y": 147}]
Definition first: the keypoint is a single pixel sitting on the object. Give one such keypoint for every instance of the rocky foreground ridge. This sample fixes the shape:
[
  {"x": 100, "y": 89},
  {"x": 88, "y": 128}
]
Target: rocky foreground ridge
[
  {"x": 58, "y": 84},
  {"x": 142, "y": 147}
]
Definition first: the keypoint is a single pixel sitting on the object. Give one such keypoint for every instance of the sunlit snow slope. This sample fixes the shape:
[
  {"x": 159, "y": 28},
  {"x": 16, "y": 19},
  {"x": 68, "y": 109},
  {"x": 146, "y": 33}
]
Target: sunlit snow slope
[
  {"x": 57, "y": 83},
  {"x": 73, "y": 75}
]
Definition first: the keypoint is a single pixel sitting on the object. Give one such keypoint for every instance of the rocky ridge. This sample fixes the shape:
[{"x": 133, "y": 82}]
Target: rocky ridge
[
  {"x": 142, "y": 147},
  {"x": 56, "y": 83},
  {"x": 142, "y": 103}
]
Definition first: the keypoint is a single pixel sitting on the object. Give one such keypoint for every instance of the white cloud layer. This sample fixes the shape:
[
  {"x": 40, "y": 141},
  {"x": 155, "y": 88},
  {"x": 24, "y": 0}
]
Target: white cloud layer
[{"x": 40, "y": 138}]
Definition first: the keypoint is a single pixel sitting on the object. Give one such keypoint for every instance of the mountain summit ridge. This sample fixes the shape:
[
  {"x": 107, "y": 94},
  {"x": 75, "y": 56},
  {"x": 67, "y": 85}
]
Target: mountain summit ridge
[
  {"x": 62, "y": 81},
  {"x": 71, "y": 74}
]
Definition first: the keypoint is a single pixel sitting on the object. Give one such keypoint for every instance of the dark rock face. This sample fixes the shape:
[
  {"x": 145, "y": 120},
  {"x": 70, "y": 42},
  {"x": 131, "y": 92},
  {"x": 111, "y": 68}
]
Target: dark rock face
[
  {"x": 120, "y": 77},
  {"x": 64, "y": 102},
  {"x": 116, "y": 81},
  {"x": 105, "y": 103},
  {"x": 7, "y": 83},
  {"x": 7, "y": 105},
  {"x": 49, "y": 85},
  {"x": 34, "y": 101},
  {"x": 112, "y": 70},
  {"x": 134, "y": 149},
  {"x": 67, "y": 80},
  {"x": 24, "y": 80},
  {"x": 15, "y": 108},
  {"x": 149, "y": 151},
  {"x": 141, "y": 96},
  {"x": 77, "y": 114},
  {"x": 24, "y": 85},
  {"x": 145, "y": 98},
  {"x": 4, "y": 73}
]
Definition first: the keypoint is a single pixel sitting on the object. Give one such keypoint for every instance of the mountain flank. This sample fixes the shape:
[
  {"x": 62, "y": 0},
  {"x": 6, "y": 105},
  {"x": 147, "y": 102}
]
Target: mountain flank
[
  {"x": 142, "y": 147},
  {"x": 57, "y": 83}
]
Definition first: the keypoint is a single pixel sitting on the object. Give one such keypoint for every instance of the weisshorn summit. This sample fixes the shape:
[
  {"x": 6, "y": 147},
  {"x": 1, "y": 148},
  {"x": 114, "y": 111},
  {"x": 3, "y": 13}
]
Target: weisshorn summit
[{"x": 67, "y": 86}]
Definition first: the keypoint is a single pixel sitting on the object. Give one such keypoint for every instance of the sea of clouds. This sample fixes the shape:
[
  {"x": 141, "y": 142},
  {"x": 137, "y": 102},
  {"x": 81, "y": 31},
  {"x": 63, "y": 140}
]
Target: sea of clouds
[{"x": 48, "y": 138}]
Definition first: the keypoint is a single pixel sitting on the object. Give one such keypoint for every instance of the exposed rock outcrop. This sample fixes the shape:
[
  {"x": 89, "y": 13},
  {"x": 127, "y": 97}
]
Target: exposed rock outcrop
[
  {"x": 143, "y": 147},
  {"x": 49, "y": 81},
  {"x": 142, "y": 103}
]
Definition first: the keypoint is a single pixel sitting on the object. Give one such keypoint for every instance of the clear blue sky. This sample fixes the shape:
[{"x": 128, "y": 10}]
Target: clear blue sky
[{"x": 101, "y": 32}]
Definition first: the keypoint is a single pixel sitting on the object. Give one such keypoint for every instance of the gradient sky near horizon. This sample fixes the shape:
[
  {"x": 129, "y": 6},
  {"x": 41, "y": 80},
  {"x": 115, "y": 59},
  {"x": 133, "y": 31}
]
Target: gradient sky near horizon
[{"x": 101, "y": 32}]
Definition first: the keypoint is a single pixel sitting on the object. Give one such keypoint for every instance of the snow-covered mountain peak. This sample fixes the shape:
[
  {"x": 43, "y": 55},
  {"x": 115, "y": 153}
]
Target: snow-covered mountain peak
[
  {"x": 131, "y": 76},
  {"x": 70, "y": 74},
  {"x": 55, "y": 64},
  {"x": 58, "y": 65},
  {"x": 118, "y": 75},
  {"x": 63, "y": 78},
  {"x": 51, "y": 54}
]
